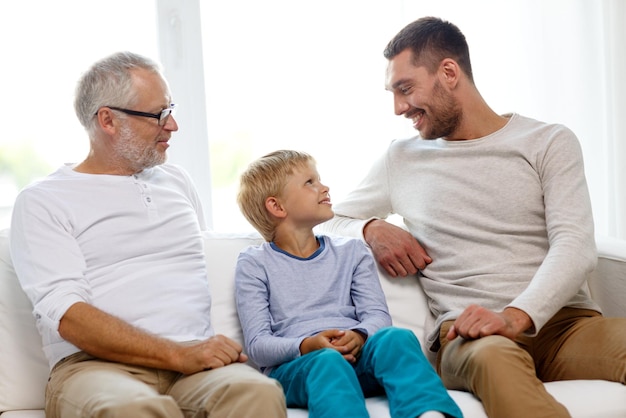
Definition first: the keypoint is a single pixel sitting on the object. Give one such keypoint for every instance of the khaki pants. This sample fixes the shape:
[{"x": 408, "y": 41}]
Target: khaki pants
[
  {"x": 82, "y": 386},
  {"x": 507, "y": 376}
]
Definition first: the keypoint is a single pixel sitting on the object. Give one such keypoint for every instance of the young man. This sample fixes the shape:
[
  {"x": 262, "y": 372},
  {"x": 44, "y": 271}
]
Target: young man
[
  {"x": 110, "y": 253},
  {"x": 313, "y": 313},
  {"x": 499, "y": 226}
]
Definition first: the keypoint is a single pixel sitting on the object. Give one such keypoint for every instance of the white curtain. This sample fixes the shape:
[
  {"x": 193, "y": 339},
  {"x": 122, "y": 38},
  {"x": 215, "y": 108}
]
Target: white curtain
[{"x": 615, "y": 23}]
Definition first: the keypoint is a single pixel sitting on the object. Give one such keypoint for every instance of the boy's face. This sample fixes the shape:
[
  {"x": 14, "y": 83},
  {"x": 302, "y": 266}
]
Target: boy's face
[{"x": 305, "y": 199}]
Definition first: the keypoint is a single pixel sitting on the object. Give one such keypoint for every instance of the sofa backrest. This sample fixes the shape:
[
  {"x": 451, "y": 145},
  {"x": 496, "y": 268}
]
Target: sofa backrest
[
  {"x": 406, "y": 300},
  {"x": 607, "y": 283}
]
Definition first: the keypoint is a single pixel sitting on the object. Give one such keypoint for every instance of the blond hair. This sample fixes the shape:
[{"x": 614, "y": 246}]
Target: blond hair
[{"x": 267, "y": 177}]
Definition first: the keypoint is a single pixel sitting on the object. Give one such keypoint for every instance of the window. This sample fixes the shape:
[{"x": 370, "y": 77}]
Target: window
[
  {"x": 254, "y": 76},
  {"x": 46, "y": 47},
  {"x": 309, "y": 75},
  {"x": 299, "y": 75}
]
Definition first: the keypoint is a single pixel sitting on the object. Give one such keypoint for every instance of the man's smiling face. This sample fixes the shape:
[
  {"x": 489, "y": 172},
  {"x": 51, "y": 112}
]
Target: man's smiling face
[{"x": 420, "y": 96}]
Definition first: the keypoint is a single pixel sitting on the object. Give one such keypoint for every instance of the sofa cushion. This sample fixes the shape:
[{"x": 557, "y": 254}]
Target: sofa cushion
[
  {"x": 407, "y": 303},
  {"x": 19, "y": 341},
  {"x": 607, "y": 283},
  {"x": 221, "y": 252}
]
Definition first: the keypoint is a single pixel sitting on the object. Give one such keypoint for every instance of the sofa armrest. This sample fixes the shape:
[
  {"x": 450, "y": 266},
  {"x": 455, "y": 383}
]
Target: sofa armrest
[{"x": 607, "y": 282}]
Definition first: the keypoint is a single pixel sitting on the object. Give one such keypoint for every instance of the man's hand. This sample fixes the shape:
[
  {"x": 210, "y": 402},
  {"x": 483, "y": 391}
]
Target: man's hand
[
  {"x": 107, "y": 337},
  {"x": 477, "y": 322},
  {"x": 217, "y": 351},
  {"x": 348, "y": 343},
  {"x": 395, "y": 249}
]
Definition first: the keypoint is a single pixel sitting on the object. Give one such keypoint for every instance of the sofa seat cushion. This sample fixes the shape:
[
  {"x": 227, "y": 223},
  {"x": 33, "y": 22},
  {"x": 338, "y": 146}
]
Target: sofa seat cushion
[{"x": 24, "y": 369}]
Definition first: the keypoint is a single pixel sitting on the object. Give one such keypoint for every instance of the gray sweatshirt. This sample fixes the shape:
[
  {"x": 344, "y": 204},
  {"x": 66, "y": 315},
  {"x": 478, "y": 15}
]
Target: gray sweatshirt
[{"x": 506, "y": 218}]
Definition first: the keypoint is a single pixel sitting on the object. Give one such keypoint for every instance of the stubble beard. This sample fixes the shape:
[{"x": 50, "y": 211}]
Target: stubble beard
[
  {"x": 445, "y": 114},
  {"x": 133, "y": 152}
]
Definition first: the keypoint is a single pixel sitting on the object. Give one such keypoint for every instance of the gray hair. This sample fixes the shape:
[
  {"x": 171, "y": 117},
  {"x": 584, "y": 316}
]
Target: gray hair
[{"x": 108, "y": 82}]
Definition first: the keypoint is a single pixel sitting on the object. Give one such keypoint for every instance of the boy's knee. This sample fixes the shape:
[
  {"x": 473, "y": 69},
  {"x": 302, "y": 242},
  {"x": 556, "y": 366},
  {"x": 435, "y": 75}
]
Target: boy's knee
[
  {"x": 327, "y": 355},
  {"x": 395, "y": 335},
  {"x": 328, "y": 362}
]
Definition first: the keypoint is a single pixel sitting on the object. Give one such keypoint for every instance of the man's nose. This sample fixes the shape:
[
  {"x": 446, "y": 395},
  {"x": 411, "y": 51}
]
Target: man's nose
[
  {"x": 171, "y": 124},
  {"x": 400, "y": 106}
]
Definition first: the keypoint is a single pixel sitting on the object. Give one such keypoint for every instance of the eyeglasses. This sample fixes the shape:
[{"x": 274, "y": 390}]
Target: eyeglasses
[{"x": 162, "y": 116}]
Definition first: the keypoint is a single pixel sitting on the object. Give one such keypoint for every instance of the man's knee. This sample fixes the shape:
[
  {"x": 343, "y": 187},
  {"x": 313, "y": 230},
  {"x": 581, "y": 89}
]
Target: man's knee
[
  {"x": 148, "y": 407},
  {"x": 250, "y": 398},
  {"x": 105, "y": 406},
  {"x": 482, "y": 357},
  {"x": 266, "y": 390}
]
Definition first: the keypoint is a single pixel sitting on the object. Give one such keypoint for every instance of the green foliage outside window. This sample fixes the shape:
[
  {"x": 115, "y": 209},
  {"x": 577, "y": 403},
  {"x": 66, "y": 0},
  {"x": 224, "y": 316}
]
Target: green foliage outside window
[{"x": 22, "y": 163}]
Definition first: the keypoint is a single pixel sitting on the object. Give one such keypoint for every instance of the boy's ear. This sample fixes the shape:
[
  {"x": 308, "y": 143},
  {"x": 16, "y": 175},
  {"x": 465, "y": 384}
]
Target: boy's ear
[{"x": 274, "y": 207}]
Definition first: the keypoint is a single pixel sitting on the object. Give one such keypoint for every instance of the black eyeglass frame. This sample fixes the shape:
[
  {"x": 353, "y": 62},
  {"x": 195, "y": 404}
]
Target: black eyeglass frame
[{"x": 161, "y": 117}]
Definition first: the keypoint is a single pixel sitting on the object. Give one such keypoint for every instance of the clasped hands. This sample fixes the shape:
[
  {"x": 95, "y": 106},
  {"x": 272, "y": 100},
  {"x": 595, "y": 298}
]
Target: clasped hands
[{"x": 347, "y": 342}]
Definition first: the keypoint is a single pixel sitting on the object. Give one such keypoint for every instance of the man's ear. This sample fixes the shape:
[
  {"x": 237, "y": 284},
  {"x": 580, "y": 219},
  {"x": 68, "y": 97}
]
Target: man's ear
[
  {"x": 106, "y": 120},
  {"x": 450, "y": 72},
  {"x": 273, "y": 206}
]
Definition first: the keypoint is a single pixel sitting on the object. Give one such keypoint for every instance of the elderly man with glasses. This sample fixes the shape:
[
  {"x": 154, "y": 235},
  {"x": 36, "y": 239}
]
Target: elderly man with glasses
[{"x": 109, "y": 251}]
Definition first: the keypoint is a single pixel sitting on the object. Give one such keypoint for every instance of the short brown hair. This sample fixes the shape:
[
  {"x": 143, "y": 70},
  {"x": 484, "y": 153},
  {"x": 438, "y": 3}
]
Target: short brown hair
[
  {"x": 266, "y": 177},
  {"x": 431, "y": 40}
]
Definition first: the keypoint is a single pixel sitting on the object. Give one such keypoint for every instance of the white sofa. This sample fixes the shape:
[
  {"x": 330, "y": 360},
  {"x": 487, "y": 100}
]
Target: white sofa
[{"x": 24, "y": 370}]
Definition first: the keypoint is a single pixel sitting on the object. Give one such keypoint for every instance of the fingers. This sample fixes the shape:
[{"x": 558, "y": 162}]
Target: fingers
[
  {"x": 395, "y": 249},
  {"x": 217, "y": 351},
  {"x": 323, "y": 339},
  {"x": 350, "y": 345},
  {"x": 467, "y": 325},
  {"x": 346, "y": 342},
  {"x": 418, "y": 256},
  {"x": 350, "y": 358},
  {"x": 221, "y": 351},
  {"x": 332, "y": 334},
  {"x": 404, "y": 263},
  {"x": 477, "y": 322},
  {"x": 451, "y": 335}
]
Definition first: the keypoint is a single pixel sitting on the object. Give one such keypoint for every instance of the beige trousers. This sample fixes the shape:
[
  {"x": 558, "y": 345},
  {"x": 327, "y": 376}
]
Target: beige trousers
[
  {"x": 507, "y": 375},
  {"x": 82, "y": 386}
]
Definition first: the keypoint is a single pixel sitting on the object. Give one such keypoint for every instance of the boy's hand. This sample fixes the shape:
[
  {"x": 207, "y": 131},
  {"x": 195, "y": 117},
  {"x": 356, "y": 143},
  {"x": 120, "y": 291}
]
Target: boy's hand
[{"x": 348, "y": 343}]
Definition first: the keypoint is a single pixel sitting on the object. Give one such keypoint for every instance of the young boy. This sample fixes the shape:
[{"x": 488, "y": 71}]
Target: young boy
[{"x": 312, "y": 310}]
